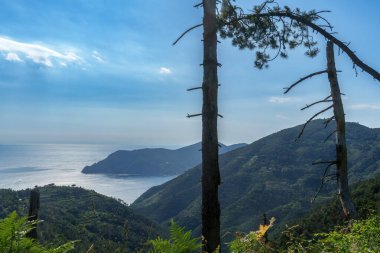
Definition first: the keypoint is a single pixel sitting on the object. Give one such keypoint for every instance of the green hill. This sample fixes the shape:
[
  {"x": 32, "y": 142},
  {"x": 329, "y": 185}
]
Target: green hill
[
  {"x": 153, "y": 161},
  {"x": 71, "y": 213},
  {"x": 324, "y": 217},
  {"x": 273, "y": 175}
]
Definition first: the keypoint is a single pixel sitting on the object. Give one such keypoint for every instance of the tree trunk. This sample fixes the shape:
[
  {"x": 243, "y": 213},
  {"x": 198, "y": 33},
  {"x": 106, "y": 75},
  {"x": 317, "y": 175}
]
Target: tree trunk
[
  {"x": 34, "y": 205},
  {"x": 210, "y": 164},
  {"x": 341, "y": 148}
]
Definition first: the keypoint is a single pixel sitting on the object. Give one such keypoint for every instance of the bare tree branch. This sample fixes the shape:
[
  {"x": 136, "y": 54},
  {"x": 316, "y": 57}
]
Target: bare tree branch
[
  {"x": 303, "y": 79},
  {"x": 195, "y": 88},
  {"x": 185, "y": 32},
  {"x": 327, "y": 121},
  {"x": 323, "y": 162},
  {"x": 333, "y": 132},
  {"x": 194, "y": 115},
  {"x": 319, "y": 101},
  {"x": 323, "y": 180},
  {"x": 315, "y": 115}
]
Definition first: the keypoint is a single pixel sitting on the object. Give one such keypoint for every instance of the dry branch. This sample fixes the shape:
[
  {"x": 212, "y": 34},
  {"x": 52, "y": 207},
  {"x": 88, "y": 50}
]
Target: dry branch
[
  {"x": 315, "y": 115},
  {"x": 194, "y": 115},
  {"x": 323, "y": 180},
  {"x": 333, "y": 132},
  {"x": 185, "y": 32},
  {"x": 303, "y": 79},
  {"x": 320, "y": 101}
]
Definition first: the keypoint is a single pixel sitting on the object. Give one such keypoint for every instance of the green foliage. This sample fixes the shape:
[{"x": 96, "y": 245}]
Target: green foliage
[
  {"x": 71, "y": 213},
  {"x": 324, "y": 217},
  {"x": 180, "y": 242},
  {"x": 13, "y": 230},
  {"x": 268, "y": 27},
  {"x": 361, "y": 236},
  {"x": 250, "y": 242}
]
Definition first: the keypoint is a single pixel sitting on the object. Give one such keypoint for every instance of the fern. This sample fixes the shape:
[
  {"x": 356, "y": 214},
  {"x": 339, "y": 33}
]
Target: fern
[
  {"x": 180, "y": 241},
  {"x": 13, "y": 230}
]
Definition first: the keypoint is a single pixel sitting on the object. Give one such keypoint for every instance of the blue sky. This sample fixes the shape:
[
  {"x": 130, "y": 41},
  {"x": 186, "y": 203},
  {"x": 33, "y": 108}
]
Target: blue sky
[{"x": 104, "y": 72}]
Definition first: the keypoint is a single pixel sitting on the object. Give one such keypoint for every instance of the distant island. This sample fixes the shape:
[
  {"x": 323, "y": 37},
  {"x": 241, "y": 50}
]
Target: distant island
[{"x": 153, "y": 161}]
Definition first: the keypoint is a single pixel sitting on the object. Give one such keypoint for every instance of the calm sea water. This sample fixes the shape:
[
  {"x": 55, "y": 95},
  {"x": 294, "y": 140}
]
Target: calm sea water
[{"x": 24, "y": 166}]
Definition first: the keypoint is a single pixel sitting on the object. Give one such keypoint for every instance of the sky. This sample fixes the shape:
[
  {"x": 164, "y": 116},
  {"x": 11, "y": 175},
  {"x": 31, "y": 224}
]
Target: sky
[{"x": 105, "y": 72}]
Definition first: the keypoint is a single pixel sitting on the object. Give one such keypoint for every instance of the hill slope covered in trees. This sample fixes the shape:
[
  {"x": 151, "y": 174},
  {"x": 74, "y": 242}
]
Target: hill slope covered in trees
[
  {"x": 71, "y": 213},
  {"x": 153, "y": 161},
  {"x": 273, "y": 175}
]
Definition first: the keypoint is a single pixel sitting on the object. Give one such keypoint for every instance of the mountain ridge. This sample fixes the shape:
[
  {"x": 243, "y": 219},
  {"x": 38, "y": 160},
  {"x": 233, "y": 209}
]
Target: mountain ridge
[
  {"x": 272, "y": 175},
  {"x": 153, "y": 161}
]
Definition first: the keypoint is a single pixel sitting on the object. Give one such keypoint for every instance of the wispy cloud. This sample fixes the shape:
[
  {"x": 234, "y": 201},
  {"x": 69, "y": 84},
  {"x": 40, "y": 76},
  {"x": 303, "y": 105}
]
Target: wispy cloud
[
  {"x": 96, "y": 55},
  {"x": 20, "y": 51},
  {"x": 165, "y": 71},
  {"x": 12, "y": 57},
  {"x": 365, "y": 107},
  {"x": 283, "y": 100}
]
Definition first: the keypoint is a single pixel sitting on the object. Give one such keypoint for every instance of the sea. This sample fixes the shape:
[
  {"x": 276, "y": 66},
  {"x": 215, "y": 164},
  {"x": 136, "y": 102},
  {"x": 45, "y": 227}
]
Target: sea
[{"x": 29, "y": 165}]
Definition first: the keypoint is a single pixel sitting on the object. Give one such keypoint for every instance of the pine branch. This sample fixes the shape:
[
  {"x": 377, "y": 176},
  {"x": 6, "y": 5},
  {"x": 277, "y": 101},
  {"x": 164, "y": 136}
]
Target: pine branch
[{"x": 354, "y": 58}]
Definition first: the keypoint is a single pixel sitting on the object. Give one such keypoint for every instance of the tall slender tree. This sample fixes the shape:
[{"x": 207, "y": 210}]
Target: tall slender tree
[
  {"x": 210, "y": 164},
  {"x": 270, "y": 27},
  {"x": 340, "y": 161},
  {"x": 341, "y": 147}
]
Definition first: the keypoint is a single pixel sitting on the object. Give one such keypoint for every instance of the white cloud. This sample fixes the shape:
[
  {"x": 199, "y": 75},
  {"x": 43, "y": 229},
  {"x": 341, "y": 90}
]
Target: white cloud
[
  {"x": 365, "y": 107},
  {"x": 95, "y": 54},
  {"x": 282, "y": 100},
  {"x": 165, "y": 71},
  {"x": 36, "y": 53},
  {"x": 12, "y": 57}
]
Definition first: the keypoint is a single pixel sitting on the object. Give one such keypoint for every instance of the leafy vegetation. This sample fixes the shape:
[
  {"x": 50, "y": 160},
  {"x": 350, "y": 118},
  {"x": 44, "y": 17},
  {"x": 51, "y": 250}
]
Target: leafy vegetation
[
  {"x": 324, "y": 217},
  {"x": 13, "y": 231},
  {"x": 180, "y": 242},
  {"x": 273, "y": 168},
  {"x": 96, "y": 221},
  {"x": 361, "y": 236}
]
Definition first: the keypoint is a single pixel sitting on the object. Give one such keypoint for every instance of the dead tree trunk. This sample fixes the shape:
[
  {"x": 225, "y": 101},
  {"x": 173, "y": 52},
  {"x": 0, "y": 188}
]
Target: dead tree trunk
[
  {"x": 34, "y": 205},
  {"x": 341, "y": 148},
  {"x": 210, "y": 164}
]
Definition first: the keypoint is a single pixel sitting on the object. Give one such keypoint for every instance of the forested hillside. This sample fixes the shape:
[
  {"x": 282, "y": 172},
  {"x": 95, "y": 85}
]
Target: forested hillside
[
  {"x": 153, "y": 161},
  {"x": 273, "y": 175},
  {"x": 71, "y": 213},
  {"x": 327, "y": 215}
]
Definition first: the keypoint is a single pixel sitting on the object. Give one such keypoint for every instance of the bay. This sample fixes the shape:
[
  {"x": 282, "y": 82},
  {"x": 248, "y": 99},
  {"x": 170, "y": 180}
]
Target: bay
[{"x": 25, "y": 166}]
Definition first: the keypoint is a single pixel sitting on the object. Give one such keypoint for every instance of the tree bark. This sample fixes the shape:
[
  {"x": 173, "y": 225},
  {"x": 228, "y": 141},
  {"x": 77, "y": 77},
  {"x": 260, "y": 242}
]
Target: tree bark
[
  {"x": 341, "y": 148},
  {"x": 34, "y": 205},
  {"x": 210, "y": 164}
]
